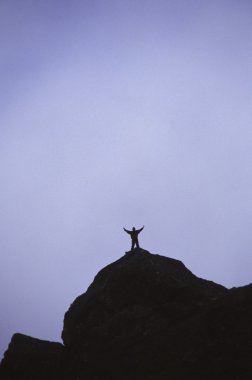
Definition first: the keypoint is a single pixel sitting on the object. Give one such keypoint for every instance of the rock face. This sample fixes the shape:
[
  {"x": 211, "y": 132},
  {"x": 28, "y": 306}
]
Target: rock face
[
  {"x": 145, "y": 317},
  {"x": 30, "y": 358}
]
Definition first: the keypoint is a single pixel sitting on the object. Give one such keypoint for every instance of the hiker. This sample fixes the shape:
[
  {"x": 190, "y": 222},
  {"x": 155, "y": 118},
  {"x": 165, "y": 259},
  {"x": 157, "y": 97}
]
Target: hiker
[{"x": 134, "y": 236}]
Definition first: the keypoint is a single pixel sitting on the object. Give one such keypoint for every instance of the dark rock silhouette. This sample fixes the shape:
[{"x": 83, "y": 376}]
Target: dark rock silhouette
[
  {"x": 147, "y": 317},
  {"x": 30, "y": 358}
]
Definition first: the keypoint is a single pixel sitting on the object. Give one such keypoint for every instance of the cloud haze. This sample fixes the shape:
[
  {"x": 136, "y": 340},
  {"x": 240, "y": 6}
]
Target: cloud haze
[{"x": 119, "y": 114}]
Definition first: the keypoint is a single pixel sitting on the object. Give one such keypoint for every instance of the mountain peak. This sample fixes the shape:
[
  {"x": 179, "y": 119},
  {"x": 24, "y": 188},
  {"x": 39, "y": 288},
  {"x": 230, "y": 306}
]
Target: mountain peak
[
  {"x": 139, "y": 278},
  {"x": 144, "y": 316}
]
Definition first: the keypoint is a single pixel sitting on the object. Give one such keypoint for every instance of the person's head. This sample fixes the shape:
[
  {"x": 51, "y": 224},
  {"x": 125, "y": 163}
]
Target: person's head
[{"x": 133, "y": 229}]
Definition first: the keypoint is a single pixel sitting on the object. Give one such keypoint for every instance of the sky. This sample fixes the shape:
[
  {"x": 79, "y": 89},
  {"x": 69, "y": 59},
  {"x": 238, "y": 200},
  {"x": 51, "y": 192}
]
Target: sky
[{"x": 113, "y": 114}]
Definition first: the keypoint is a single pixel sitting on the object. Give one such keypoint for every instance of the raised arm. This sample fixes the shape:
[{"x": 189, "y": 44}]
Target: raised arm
[
  {"x": 141, "y": 229},
  {"x": 128, "y": 232}
]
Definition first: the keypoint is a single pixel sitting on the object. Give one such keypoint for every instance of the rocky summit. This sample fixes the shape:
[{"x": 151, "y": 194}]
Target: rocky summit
[{"x": 148, "y": 317}]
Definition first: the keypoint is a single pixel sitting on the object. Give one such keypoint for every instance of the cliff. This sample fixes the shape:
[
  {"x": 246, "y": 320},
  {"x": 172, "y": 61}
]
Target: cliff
[{"x": 145, "y": 316}]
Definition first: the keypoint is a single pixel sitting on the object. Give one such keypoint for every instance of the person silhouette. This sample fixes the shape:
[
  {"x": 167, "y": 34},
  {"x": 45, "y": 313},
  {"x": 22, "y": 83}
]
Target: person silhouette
[{"x": 134, "y": 236}]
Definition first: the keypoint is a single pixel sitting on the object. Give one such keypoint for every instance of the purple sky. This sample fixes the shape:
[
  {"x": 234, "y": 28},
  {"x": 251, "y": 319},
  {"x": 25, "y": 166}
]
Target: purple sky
[{"x": 120, "y": 113}]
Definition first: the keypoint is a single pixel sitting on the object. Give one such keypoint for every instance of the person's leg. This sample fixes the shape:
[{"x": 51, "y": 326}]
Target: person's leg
[
  {"x": 137, "y": 244},
  {"x": 132, "y": 245}
]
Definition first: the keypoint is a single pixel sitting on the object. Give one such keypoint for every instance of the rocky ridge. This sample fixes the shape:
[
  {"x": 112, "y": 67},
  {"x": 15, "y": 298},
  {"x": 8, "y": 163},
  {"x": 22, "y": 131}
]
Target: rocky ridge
[{"x": 145, "y": 316}]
